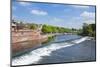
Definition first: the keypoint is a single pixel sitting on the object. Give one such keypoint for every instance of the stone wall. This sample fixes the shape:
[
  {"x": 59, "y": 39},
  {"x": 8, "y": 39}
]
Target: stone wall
[
  {"x": 24, "y": 40},
  {"x": 20, "y": 36}
]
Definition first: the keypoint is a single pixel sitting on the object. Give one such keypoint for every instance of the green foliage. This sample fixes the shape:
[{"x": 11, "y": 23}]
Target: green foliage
[
  {"x": 54, "y": 29},
  {"x": 89, "y": 30},
  {"x": 47, "y": 28},
  {"x": 32, "y": 26}
]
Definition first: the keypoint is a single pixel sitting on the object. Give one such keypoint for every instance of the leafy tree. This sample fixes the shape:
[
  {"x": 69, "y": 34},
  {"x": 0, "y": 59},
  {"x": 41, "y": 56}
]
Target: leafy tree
[
  {"x": 89, "y": 30},
  {"x": 54, "y": 29}
]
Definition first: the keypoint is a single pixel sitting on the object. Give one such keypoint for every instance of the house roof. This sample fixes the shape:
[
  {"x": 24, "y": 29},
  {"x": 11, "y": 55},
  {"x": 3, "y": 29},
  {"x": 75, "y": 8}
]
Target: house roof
[{"x": 13, "y": 24}]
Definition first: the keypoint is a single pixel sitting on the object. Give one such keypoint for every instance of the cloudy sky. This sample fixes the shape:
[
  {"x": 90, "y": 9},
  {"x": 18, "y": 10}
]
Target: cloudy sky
[{"x": 69, "y": 16}]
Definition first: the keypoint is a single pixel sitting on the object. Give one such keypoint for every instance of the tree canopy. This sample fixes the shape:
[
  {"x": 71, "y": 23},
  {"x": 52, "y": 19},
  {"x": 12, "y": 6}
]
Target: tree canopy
[
  {"x": 54, "y": 29},
  {"x": 89, "y": 30}
]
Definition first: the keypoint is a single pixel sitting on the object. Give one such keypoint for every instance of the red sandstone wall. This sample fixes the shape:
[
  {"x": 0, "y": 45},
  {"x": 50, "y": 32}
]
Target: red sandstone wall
[{"x": 20, "y": 36}]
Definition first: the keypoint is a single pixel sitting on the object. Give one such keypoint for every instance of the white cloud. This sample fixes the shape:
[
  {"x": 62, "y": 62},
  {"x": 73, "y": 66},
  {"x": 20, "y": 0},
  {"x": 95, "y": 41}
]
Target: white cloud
[
  {"x": 90, "y": 21},
  {"x": 90, "y": 15},
  {"x": 39, "y": 12},
  {"x": 57, "y": 19},
  {"x": 78, "y": 6},
  {"x": 24, "y": 3}
]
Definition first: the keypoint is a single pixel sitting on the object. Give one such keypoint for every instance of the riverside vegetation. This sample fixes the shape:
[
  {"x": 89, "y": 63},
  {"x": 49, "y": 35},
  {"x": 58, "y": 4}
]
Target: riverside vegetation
[{"x": 86, "y": 30}]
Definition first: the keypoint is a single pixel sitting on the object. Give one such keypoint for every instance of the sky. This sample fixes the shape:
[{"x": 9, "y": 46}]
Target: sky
[{"x": 62, "y": 15}]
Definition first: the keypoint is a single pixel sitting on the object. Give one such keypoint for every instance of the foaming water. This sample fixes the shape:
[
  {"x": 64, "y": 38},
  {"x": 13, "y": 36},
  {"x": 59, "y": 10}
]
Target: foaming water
[{"x": 34, "y": 56}]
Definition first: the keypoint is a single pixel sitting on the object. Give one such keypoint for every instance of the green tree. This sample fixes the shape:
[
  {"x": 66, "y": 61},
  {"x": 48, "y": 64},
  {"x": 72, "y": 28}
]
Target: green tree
[{"x": 89, "y": 30}]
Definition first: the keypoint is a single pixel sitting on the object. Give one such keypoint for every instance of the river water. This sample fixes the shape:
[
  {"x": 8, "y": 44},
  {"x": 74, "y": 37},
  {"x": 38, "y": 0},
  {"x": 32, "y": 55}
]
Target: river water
[{"x": 63, "y": 48}]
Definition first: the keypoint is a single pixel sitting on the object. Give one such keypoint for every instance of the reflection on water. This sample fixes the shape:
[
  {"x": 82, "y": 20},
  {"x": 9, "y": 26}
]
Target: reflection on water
[
  {"x": 72, "y": 48},
  {"x": 23, "y": 47}
]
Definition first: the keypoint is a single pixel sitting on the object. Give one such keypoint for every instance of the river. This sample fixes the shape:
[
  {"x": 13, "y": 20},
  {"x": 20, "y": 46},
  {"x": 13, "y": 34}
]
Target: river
[{"x": 63, "y": 48}]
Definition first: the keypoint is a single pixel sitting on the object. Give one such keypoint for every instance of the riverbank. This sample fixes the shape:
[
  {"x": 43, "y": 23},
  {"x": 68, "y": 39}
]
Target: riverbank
[{"x": 25, "y": 40}]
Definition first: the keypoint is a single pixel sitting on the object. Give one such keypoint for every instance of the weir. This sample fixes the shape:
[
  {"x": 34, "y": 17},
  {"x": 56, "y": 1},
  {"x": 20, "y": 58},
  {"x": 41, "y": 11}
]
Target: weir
[{"x": 34, "y": 56}]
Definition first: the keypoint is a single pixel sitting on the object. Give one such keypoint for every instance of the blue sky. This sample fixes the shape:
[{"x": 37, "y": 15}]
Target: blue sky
[{"x": 69, "y": 16}]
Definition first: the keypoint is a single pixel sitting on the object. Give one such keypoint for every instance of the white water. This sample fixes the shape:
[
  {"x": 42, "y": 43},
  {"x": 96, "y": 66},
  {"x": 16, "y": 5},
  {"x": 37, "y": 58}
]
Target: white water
[{"x": 36, "y": 55}]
